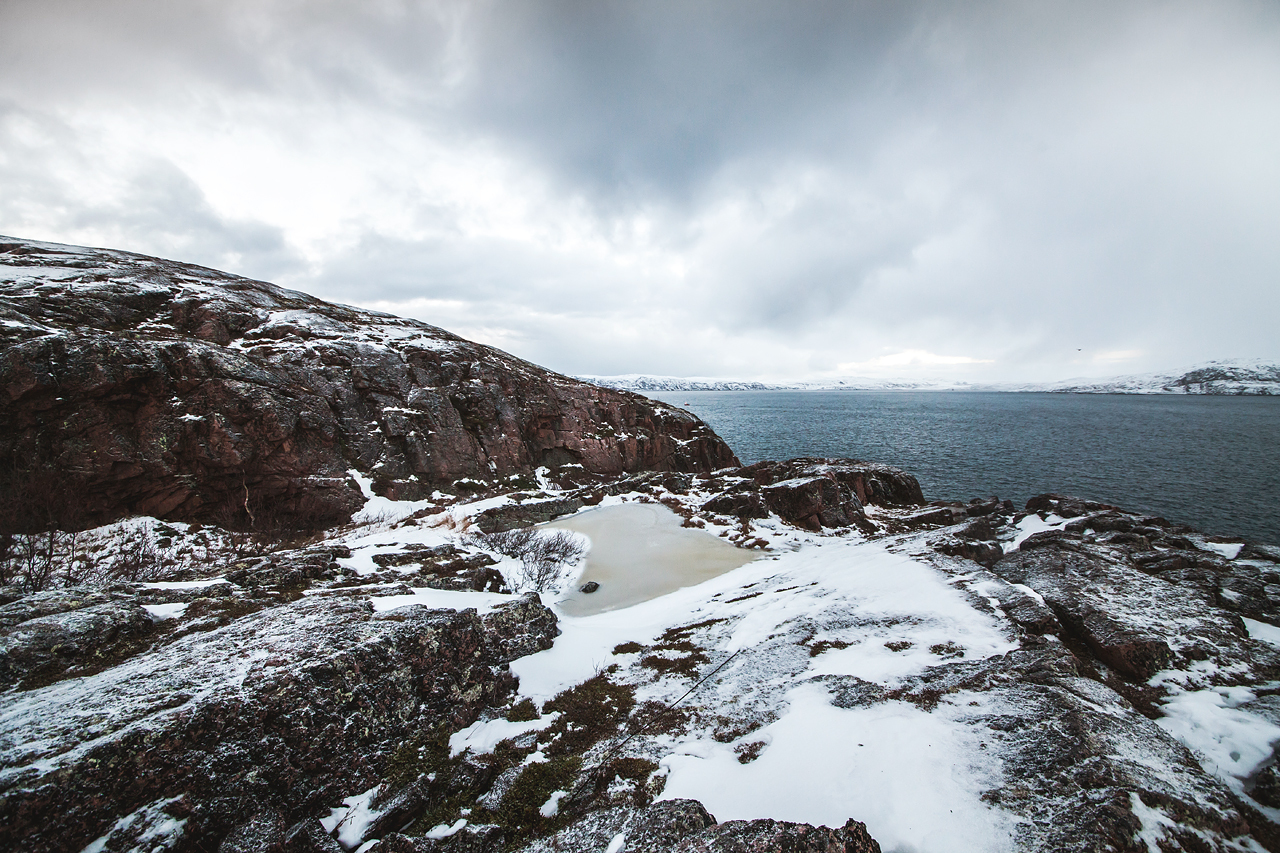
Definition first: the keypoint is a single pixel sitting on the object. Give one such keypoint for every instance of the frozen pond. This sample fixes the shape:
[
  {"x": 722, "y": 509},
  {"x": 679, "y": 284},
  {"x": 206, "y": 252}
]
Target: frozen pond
[{"x": 639, "y": 552}]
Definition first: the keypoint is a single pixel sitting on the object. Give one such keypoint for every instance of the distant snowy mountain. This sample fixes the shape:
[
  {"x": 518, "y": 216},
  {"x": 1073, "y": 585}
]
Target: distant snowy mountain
[
  {"x": 1236, "y": 377},
  {"x": 1233, "y": 377},
  {"x": 643, "y": 383}
]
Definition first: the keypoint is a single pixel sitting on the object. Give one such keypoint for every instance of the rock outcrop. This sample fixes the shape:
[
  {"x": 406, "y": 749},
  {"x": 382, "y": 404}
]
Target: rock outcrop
[
  {"x": 814, "y": 493},
  {"x": 684, "y": 826},
  {"x": 276, "y": 713},
  {"x": 134, "y": 385}
]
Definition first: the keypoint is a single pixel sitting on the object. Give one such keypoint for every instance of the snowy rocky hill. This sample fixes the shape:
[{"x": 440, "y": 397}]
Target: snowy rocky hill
[
  {"x": 279, "y": 575},
  {"x": 139, "y": 385},
  {"x": 1216, "y": 377},
  {"x": 1233, "y": 377}
]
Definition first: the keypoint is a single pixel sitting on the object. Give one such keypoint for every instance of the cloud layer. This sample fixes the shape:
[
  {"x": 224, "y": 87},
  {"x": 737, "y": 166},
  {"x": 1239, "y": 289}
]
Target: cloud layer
[{"x": 998, "y": 190}]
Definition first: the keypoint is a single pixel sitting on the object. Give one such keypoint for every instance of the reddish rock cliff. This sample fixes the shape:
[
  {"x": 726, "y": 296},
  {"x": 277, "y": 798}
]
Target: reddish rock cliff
[{"x": 132, "y": 384}]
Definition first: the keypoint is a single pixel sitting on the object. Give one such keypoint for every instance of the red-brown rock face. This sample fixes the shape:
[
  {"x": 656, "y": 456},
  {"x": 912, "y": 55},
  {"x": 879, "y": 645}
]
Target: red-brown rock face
[{"x": 130, "y": 384}]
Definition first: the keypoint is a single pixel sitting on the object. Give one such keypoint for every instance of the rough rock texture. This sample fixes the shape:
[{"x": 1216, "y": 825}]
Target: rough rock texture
[
  {"x": 525, "y": 514},
  {"x": 181, "y": 392},
  {"x": 684, "y": 826},
  {"x": 87, "y": 635},
  {"x": 814, "y": 493},
  {"x": 869, "y": 482},
  {"x": 285, "y": 709}
]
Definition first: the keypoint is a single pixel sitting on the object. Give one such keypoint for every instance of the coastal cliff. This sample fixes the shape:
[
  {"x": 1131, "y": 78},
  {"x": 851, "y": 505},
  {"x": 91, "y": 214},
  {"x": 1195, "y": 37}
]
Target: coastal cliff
[
  {"x": 878, "y": 669},
  {"x": 135, "y": 385}
]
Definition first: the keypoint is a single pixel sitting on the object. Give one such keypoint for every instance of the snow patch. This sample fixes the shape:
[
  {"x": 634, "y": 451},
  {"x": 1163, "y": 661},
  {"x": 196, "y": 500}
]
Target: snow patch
[
  {"x": 442, "y": 599},
  {"x": 352, "y": 818},
  {"x": 1262, "y": 631},
  {"x": 444, "y": 830},
  {"x": 1030, "y": 526},
  {"x": 1229, "y": 550},
  {"x": 482, "y": 737},
  {"x": 184, "y": 584},
  {"x": 551, "y": 807},
  {"x": 161, "y": 612},
  {"x": 1230, "y": 743},
  {"x": 914, "y": 778}
]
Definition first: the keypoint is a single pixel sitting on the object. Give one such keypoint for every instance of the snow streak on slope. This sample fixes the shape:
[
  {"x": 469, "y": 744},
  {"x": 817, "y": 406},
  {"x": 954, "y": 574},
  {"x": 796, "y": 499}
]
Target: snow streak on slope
[{"x": 915, "y": 777}]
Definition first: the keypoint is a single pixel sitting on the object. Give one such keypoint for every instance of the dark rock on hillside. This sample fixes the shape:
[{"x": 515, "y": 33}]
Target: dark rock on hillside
[
  {"x": 277, "y": 713},
  {"x": 684, "y": 826},
  {"x": 1225, "y": 378},
  {"x": 134, "y": 385},
  {"x": 815, "y": 493},
  {"x": 869, "y": 482},
  {"x": 525, "y": 514},
  {"x": 95, "y": 634}
]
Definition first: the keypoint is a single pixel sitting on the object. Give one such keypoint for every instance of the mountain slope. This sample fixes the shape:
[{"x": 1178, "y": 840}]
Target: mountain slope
[
  {"x": 139, "y": 385},
  {"x": 1235, "y": 377}
]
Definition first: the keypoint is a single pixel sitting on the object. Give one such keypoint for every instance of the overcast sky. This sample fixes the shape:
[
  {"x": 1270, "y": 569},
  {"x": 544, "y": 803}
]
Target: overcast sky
[{"x": 785, "y": 190}]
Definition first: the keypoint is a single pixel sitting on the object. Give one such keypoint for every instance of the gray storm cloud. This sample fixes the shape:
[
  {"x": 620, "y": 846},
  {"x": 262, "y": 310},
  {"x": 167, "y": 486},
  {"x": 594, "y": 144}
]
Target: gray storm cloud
[{"x": 989, "y": 191}]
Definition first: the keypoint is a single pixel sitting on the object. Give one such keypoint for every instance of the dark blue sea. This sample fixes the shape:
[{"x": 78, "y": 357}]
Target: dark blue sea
[{"x": 1211, "y": 462}]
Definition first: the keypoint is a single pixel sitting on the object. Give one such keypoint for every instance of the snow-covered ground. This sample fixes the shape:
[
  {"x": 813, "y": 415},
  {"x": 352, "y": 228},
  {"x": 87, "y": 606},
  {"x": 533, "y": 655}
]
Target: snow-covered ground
[{"x": 802, "y": 697}]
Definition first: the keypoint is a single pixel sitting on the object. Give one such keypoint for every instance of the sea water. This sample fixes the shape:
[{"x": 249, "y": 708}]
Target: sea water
[{"x": 1207, "y": 461}]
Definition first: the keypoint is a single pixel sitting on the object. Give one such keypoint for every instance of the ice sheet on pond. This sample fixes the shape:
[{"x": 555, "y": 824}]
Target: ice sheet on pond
[{"x": 639, "y": 552}]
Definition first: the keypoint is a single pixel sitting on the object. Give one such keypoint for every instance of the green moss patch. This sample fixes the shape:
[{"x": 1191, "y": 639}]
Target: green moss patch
[
  {"x": 521, "y": 808},
  {"x": 589, "y": 712},
  {"x": 523, "y": 711}
]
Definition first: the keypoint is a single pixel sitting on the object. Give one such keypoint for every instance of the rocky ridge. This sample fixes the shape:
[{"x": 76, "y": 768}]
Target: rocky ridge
[{"x": 135, "y": 385}]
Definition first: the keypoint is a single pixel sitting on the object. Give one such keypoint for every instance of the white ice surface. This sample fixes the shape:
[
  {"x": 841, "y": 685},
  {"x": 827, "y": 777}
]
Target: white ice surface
[{"x": 640, "y": 551}]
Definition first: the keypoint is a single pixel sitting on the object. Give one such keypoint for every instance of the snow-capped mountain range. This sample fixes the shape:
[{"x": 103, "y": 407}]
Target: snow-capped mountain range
[{"x": 1227, "y": 377}]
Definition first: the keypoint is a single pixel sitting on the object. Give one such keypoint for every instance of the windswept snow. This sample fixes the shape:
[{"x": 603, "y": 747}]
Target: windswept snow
[
  {"x": 1229, "y": 742},
  {"x": 915, "y": 777}
]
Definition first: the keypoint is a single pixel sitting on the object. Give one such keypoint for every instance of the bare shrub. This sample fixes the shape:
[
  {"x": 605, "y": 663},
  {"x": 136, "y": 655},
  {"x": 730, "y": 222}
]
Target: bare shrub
[
  {"x": 137, "y": 558},
  {"x": 541, "y": 553}
]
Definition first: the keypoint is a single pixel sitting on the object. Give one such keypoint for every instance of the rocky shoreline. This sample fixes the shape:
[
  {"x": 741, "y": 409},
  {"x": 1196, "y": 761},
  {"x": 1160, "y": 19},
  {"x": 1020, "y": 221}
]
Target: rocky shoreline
[
  {"x": 248, "y": 717},
  {"x": 270, "y": 580}
]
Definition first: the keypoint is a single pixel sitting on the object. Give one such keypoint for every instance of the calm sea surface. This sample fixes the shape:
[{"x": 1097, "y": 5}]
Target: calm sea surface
[{"x": 1211, "y": 462}]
